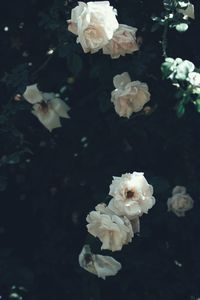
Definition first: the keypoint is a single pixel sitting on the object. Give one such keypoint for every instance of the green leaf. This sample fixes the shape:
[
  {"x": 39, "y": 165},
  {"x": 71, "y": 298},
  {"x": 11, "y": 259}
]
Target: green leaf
[
  {"x": 166, "y": 66},
  {"x": 180, "y": 109},
  {"x": 75, "y": 64},
  {"x": 197, "y": 103}
]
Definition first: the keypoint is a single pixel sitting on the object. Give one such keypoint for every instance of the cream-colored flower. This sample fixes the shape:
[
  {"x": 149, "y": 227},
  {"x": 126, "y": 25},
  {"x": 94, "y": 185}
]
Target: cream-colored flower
[
  {"x": 100, "y": 265},
  {"x": 50, "y": 111},
  {"x": 179, "y": 203},
  {"x": 32, "y": 94},
  {"x": 188, "y": 12},
  {"x": 132, "y": 195},
  {"x": 94, "y": 23},
  {"x": 47, "y": 107},
  {"x": 128, "y": 96},
  {"x": 123, "y": 42},
  {"x": 113, "y": 231}
]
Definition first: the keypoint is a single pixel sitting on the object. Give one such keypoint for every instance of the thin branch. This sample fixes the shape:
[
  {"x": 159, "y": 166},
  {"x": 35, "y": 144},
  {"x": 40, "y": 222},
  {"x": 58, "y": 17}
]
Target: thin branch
[
  {"x": 45, "y": 63},
  {"x": 164, "y": 40}
]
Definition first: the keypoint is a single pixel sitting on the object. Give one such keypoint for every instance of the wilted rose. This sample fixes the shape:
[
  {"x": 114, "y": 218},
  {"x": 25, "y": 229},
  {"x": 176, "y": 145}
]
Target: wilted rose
[
  {"x": 49, "y": 112},
  {"x": 100, "y": 265}
]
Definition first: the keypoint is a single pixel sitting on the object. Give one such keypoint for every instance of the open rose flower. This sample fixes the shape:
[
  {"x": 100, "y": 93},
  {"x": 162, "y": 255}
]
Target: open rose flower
[
  {"x": 113, "y": 231},
  {"x": 123, "y": 42},
  {"x": 100, "y": 265},
  {"x": 47, "y": 107},
  {"x": 94, "y": 23},
  {"x": 132, "y": 195},
  {"x": 128, "y": 96},
  {"x": 180, "y": 202}
]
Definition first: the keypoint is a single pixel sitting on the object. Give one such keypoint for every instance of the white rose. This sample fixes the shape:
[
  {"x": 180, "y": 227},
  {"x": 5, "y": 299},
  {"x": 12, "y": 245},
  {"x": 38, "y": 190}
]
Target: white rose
[
  {"x": 32, "y": 94},
  {"x": 50, "y": 111},
  {"x": 194, "y": 79},
  {"x": 180, "y": 203},
  {"x": 94, "y": 23},
  {"x": 123, "y": 42},
  {"x": 128, "y": 96},
  {"x": 132, "y": 195},
  {"x": 113, "y": 231},
  {"x": 188, "y": 12},
  {"x": 100, "y": 265}
]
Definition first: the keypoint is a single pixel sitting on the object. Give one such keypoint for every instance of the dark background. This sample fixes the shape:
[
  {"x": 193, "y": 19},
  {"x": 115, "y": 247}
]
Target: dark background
[{"x": 50, "y": 181}]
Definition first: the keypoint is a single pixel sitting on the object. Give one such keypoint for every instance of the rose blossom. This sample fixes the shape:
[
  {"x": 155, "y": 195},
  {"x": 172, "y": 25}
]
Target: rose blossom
[
  {"x": 132, "y": 195},
  {"x": 94, "y": 23},
  {"x": 128, "y": 96},
  {"x": 100, "y": 265},
  {"x": 113, "y": 231},
  {"x": 180, "y": 202},
  {"x": 47, "y": 107},
  {"x": 123, "y": 42}
]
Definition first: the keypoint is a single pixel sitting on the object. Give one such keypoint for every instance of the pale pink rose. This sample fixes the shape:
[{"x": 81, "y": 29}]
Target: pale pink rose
[
  {"x": 128, "y": 96},
  {"x": 100, "y": 265},
  {"x": 123, "y": 42},
  {"x": 32, "y": 94},
  {"x": 179, "y": 203},
  {"x": 94, "y": 23},
  {"x": 113, "y": 231},
  {"x": 132, "y": 195},
  {"x": 50, "y": 111}
]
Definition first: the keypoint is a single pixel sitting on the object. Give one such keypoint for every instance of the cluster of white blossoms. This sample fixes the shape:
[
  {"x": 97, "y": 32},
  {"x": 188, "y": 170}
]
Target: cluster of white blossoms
[
  {"x": 47, "y": 107},
  {"x": 115, "y": 224},
  {"x": 96, "y": 27},
  {"x": 128, "y": 96},
  {"x": 180, "y": 202}
]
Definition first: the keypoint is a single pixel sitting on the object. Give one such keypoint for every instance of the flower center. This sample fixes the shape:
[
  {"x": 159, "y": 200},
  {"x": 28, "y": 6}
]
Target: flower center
[{"x": 129, "y": 194}]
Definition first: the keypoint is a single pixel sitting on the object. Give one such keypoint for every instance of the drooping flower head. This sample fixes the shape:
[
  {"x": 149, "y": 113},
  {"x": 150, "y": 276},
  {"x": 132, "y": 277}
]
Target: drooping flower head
[
  {"x": 47, "y": 107},
  {"x": 100, "y": 265}
]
